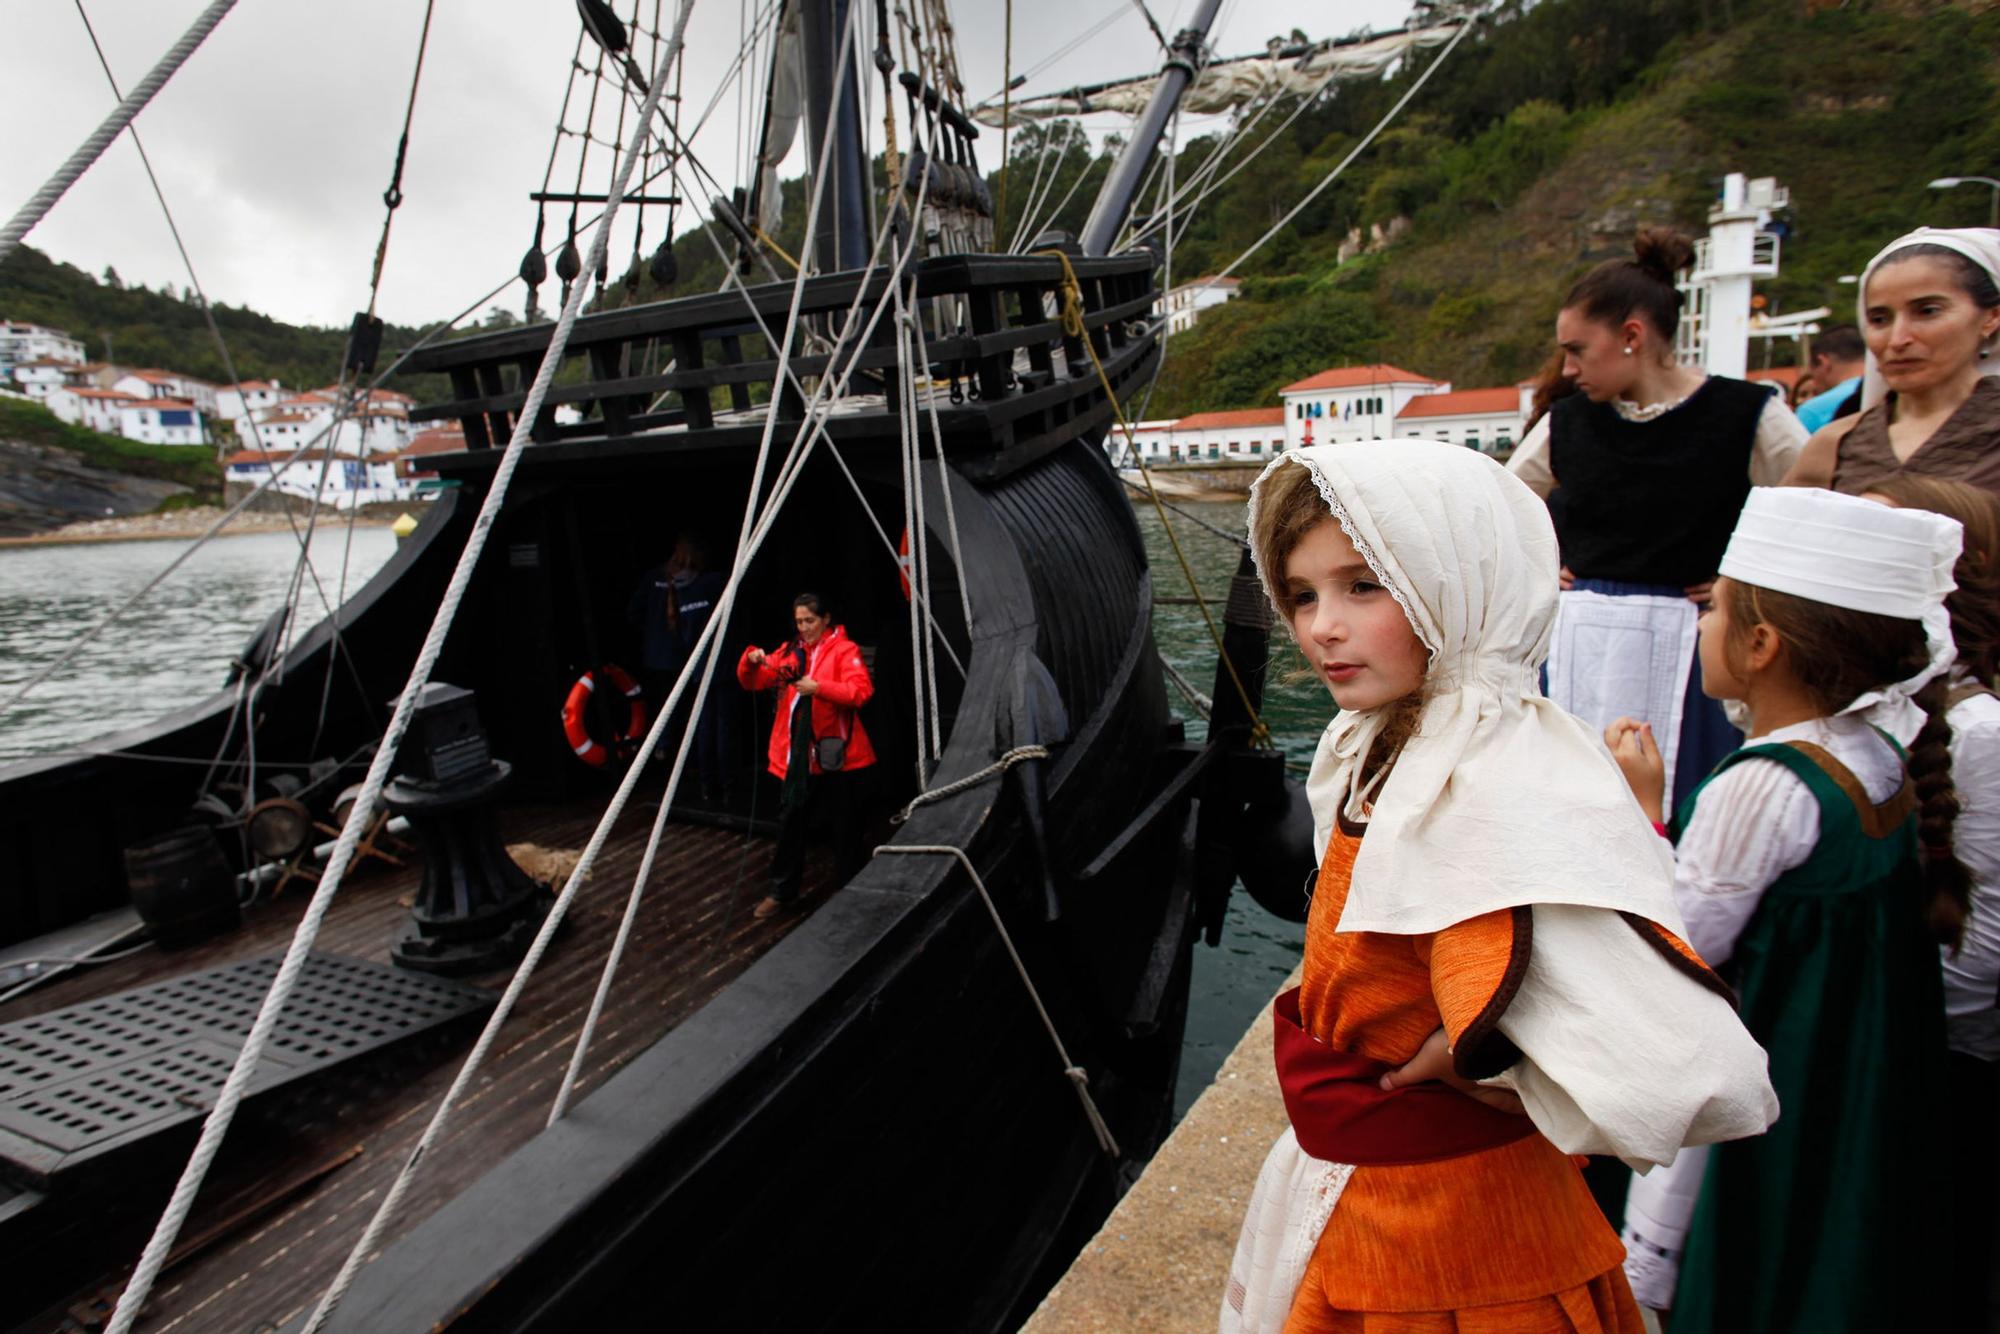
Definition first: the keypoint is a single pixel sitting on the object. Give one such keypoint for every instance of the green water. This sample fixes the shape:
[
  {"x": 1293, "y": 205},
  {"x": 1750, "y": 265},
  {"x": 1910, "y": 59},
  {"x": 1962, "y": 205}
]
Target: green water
[{"x": 1233, "y": 980}]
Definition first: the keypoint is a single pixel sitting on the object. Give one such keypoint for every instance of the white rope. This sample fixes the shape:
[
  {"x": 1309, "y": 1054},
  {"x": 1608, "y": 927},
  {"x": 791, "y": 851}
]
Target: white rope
[
  {"x": 906, "y": 423},
  {"x": 216, "y": 1125},
  {"x": 363, "y": 805},
  {"x": 972, "y": 780},
  {"x": 944, "y": 480},
  {"x": 752, "y": 532},
  {"x": 100, "y": 139},
  {"x": 1033, "y": 203},
  {"x": 920, "y": 548},
  {"x": 75, "y": 646},
  {"x": 1044, "y": 223},
  {"x": 1343, "y": 165},
  {"x": 1202, "y": 703},
  {"x": 1079, "y": 1078}
]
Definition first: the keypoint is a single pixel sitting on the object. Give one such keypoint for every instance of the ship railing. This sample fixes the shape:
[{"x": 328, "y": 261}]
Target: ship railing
[{"x": 994, "y": 342}]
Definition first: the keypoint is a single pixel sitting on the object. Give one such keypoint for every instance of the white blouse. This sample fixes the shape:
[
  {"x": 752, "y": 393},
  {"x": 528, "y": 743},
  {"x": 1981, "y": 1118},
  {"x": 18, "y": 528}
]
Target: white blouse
[
  {"x": 1972, "y": 976},
  {"x": 1754, "y": 822},
  {"x": 1751, "y": 824},
  {"x": 1780, "y": 437}
]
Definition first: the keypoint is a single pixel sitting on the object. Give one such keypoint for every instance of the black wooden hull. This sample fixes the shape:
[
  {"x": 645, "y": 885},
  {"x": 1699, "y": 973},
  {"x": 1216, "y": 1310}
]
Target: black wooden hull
[{"x": 871, "y": 1126}]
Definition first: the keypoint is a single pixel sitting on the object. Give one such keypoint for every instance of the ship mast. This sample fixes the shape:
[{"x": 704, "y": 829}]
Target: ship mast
[
  {"x": 1121, "y": 187},
  {"x": 841, "y": 240}
]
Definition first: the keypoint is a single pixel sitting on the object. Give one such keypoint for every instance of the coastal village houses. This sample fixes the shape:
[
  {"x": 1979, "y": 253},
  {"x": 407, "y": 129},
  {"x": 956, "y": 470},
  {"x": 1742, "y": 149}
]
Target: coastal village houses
[
  {"x": 1340, "y": 404},
  {"x": 22, "y": 343},
  {"x": 1181, "y": 306}
]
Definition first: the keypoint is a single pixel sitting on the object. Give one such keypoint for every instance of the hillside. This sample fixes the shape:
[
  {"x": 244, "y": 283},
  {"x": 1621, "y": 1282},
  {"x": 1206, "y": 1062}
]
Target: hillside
[
  {"x": 1553, "y": 130},
  {"x": 52, "y": 474},
  {"x": 1549, "y": 139}
]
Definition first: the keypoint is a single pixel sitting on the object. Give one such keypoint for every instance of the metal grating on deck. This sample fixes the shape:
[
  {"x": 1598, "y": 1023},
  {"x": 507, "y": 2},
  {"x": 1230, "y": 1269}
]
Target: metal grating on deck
[{"x": 80, "y": 1083}]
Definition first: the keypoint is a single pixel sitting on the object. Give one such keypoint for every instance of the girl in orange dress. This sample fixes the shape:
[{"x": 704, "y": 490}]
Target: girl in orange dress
[{"x": 1494, "y": 976}]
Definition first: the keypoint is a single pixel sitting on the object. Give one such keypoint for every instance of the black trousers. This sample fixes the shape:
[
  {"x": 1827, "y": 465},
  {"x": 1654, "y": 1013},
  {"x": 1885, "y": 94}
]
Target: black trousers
[{"x": 838, "y": 800}]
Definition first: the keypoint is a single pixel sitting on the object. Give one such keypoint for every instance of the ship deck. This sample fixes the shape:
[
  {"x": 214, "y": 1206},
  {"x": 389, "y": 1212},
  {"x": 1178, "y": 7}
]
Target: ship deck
[{"x": 294, "y": 1187}]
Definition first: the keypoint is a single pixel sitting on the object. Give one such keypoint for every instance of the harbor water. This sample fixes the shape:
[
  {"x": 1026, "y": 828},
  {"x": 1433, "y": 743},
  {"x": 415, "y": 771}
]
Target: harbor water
[{"x": 176, "y": 644}]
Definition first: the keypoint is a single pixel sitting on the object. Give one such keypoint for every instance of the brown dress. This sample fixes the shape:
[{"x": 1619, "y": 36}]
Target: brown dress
[{"x": 1966, "y": 448}]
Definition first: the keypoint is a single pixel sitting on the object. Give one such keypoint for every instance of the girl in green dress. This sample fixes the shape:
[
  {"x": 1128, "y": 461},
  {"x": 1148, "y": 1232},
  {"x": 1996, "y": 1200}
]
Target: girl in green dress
[{"x": 1799, "y": 874}]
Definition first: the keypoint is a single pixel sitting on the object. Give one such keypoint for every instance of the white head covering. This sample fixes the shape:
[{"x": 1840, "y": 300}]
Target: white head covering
[
  {"x": 1981, "y": 245},
  {"x": 1853, "y": 553},
  {"x": 1499, "y": 799}
]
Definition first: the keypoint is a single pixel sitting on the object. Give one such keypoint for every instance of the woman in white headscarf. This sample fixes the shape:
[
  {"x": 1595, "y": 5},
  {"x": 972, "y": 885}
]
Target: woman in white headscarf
[
  {"x": 1930, "y": 314},
  {"x": 1493, "y": 917}
]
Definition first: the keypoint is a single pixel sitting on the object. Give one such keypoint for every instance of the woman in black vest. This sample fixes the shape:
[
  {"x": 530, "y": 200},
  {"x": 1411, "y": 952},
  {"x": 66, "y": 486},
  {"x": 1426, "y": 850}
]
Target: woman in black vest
[{"x": 1645, "y": 469}]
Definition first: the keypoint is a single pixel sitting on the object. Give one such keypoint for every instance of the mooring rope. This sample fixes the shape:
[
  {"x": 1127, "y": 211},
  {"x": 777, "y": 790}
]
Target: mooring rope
[{"x": 1079, "y": 1078}]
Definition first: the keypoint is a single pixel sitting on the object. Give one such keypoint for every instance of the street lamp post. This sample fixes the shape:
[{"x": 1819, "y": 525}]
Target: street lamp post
[{"x": 1948, "y": 182}]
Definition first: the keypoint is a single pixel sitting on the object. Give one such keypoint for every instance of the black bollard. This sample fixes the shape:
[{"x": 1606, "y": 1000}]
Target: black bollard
[{"x": 477, "y": 909}]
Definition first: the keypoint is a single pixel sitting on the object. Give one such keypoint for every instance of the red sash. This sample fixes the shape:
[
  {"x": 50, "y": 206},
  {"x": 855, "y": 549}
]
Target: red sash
[{"x": 1342, "y": 1115}]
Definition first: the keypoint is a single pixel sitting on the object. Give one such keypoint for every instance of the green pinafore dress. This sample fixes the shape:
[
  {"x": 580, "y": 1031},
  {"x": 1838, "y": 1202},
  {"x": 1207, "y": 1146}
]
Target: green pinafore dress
[{"x": 1830, "y": 1221}]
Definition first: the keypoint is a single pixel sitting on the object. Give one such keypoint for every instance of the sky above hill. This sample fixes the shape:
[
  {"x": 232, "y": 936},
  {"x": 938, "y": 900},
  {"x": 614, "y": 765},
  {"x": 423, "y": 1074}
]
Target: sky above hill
[{"x": 275, "y": 141}]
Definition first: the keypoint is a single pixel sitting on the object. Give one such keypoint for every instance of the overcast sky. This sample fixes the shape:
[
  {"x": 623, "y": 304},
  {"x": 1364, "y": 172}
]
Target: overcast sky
[{"x": 275, "y": 140}]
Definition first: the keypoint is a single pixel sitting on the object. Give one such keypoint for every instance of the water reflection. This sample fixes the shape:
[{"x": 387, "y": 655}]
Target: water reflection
[{"x": 172, "y": 650}]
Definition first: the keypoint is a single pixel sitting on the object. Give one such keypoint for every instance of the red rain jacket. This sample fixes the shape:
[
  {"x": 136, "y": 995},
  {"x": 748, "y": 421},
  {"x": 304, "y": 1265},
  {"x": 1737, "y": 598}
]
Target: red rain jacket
[{"x": 834, "y": 662}]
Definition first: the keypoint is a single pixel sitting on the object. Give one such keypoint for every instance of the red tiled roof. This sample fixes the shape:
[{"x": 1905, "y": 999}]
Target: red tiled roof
[
  {"x": 246, "y": 456},
  {"x": 106, "y": 393},
  {"x": 279, "y": 418},
  {"x": 251, "y": 386},
  {"x": 1463, "y": 403},
  {"x": 1354, "y": 377},
  {"x": 172, "y": 403},
  {"x": 438, "y": 440},
  {"x": 1238, "y": 417}
]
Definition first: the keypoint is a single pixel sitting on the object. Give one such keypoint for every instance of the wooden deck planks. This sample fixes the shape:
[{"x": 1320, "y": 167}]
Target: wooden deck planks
[{"x": 694, "y": 934}]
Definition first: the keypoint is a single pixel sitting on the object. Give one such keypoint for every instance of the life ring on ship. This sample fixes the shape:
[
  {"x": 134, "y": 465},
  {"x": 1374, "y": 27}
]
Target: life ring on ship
[
  {"x": 903, "y": 563},
  {"x": 576, "y": 709}
]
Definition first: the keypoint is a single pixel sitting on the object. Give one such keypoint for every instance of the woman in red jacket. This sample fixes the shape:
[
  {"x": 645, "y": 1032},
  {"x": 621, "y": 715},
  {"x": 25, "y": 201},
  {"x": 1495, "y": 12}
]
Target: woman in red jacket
[{"x": 819, "y": 749}]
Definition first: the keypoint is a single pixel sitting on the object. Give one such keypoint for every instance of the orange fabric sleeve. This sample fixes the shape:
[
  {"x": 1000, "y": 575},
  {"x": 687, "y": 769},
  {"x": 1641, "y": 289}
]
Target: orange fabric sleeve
[{"x": 1476, "y": 967}]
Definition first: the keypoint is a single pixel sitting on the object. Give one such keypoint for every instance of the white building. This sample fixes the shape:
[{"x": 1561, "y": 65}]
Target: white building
[
  {"x": 1243, "y": 435},
  {"x": 1351, "y": 403},
  {"x": 96, "y": 409},
  {"x": 1489, "y": 420},
  {"x": 1182, "y": 306},
  {"x": 379, "y": 426},
  {"x": 161, "y": 421},
  {"x": 167, "y": 384},
  {"x": 340, "y": 481},
  {"x": 32, "y": 342},
  {"x": 38, "y": 378},
  {"x": 233, "y": 400}
]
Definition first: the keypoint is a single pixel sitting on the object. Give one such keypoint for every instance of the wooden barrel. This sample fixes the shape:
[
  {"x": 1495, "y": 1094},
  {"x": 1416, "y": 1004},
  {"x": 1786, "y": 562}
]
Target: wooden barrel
[{"x": 181, "y": 886}]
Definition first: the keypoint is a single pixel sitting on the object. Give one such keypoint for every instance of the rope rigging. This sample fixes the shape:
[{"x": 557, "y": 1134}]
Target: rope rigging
[
  {"x": 1072, "y": 317},
  {"x": 101, "y": 138},
  {"x": 229, "y": 1097}
]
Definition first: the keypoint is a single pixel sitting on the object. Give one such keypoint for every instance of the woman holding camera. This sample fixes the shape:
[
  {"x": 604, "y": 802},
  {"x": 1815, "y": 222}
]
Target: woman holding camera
[{"x": 819, "y": 750}]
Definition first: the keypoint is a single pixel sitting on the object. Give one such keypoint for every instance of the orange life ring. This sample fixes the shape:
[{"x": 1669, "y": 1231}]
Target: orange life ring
[
  {"x": 903, "y": 563},
  {"x": 575, "y": 730}
]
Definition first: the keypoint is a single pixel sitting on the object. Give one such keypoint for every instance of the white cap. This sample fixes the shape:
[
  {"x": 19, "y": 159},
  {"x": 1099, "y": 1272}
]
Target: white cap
[{"x": 1853, "y": 553}]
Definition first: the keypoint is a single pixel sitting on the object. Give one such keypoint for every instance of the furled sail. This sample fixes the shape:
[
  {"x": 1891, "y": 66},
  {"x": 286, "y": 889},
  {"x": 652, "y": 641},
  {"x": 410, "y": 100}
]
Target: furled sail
[
  {"x": 784, "y": 111},
  {"x": 1226, "y": 84}
]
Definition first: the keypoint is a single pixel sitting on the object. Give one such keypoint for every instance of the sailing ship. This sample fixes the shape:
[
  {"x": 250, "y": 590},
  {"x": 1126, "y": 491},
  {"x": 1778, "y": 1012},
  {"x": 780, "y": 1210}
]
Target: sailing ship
[{"x": 908, "y": 1104}]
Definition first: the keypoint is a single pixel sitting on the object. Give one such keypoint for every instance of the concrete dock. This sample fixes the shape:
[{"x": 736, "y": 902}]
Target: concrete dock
[{"x": 1160, "y": 1261}]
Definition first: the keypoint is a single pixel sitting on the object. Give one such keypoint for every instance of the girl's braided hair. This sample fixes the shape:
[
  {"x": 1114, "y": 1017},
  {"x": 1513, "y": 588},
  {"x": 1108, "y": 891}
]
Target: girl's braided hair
[
  {"x": 1975, "y": 629},
  {"x": 1838, "y": 654}
]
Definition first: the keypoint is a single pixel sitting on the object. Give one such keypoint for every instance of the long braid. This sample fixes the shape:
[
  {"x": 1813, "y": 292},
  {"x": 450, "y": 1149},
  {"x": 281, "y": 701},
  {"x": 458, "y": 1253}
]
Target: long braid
[
  {"x": 1945, "y": 877},
  {"x": 1975, "y": 625}
]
